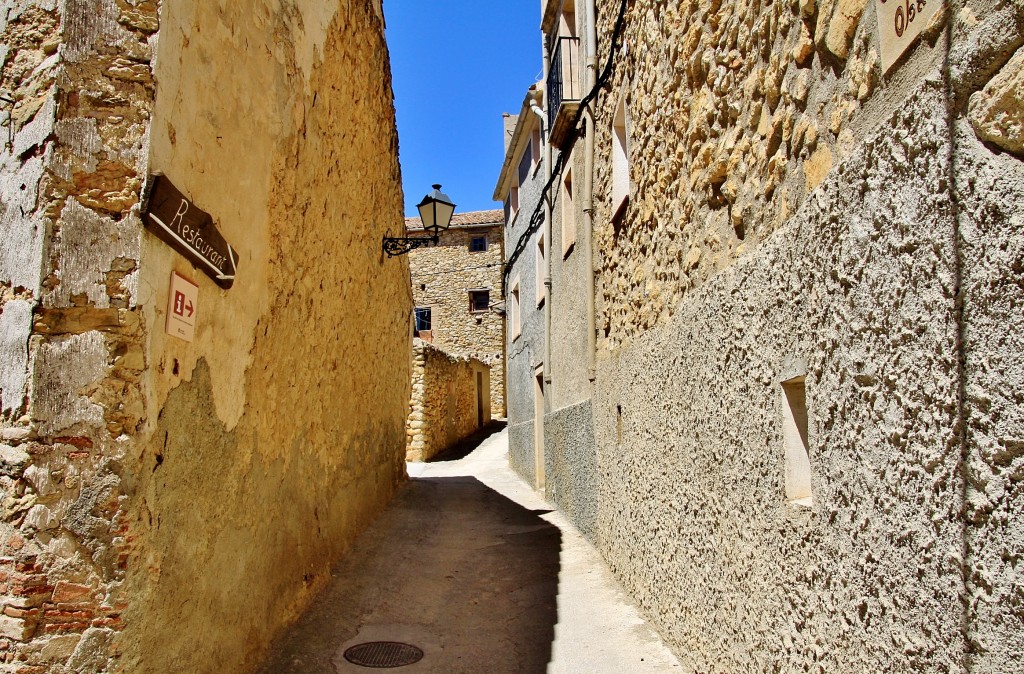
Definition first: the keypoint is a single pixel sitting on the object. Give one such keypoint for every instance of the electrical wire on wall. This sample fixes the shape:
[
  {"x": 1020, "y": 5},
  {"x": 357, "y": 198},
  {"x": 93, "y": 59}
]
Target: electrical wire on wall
[
  {"x": 454, "y": 271},
  {"x": 537, "y": 218}
]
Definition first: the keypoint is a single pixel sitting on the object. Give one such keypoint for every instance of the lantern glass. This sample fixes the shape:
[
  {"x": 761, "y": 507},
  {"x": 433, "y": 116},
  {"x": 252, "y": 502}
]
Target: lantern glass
[{"x": 436, "y": 211}]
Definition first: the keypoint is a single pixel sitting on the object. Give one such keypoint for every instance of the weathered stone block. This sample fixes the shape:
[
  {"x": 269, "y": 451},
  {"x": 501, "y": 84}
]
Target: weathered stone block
[{"x": 997, "y": 111}]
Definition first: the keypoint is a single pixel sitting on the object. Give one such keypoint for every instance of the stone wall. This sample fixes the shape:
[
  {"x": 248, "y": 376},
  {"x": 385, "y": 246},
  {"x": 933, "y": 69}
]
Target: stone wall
[
  {"x": 445, "y": 396},
  {"x": 795, "y": 213},
  {"x": 71, "y": 331},
  {"x": 442, "y": 276},
  {"x": 154, "y": 487}
]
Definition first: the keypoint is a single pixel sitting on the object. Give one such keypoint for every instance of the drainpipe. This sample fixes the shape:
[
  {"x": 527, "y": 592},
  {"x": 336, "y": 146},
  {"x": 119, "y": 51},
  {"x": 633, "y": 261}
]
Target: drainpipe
[
  {"x": 547, "y": 232},
  {"x": 588, "y": 191}
]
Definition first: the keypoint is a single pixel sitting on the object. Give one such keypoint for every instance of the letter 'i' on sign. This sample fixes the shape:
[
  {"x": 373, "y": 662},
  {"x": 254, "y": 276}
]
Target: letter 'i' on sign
[
  {"x": 182, "y": 303},
  {"x": 899, "y": 24}
]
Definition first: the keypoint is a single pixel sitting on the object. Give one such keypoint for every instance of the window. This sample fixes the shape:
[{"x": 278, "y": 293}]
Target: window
[
  {"x": 794, "y": 434},
  {"x": 513, "y": 310},
  {"x": 479, "y": 300},
  {"x": 525, "y": 164},
  {"x": 478, "y": 244},
  {"x": 568, "y": 212},
  {"x": 541, "y": 269},
  {"x": 513, "y": 203},
  {"x": 620, "y": 158},
  {"x": 535, "y": 148},
  {"x": 421, "y": 318}
]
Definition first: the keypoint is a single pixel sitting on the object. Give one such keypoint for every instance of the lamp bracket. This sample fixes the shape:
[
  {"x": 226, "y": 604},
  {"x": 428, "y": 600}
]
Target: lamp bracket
[{"x": 400, "y": 245}]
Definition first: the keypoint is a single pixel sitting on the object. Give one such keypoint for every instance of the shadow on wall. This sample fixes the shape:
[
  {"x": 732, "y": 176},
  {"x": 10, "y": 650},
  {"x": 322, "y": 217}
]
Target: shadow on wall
[{"x": 452, "y": 567}]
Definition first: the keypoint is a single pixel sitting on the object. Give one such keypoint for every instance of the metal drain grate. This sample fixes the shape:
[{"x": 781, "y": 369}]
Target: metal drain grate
[{"x": 383, "y": 654}]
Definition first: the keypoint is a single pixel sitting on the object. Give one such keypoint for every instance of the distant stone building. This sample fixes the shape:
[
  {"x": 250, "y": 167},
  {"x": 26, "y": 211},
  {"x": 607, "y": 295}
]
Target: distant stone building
[
  {"x": 780, "y": 364},
  {"x": 456, "y": 289},
  {"x": 451, "y": 400},
  {"x": 171, "y": 505}
]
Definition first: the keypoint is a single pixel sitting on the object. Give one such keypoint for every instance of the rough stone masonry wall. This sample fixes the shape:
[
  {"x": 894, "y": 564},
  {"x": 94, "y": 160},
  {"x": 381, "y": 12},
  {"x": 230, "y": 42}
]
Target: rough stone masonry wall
[
  {"x": 71, "y": 335},
  {"x": 441, "y": 276},
  {"x": 443, "y": 409},
  {"x": 152, "y": 487},
  {"x": 795, "y": 213}
]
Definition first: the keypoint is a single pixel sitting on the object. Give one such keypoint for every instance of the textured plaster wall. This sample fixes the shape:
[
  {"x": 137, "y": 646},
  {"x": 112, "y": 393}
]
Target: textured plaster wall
[
  {"x": 794, "y": 213},
  {"x": 570, "y": 383},
  {"x": 270, "y": 443},
  {"x": 441, "y": 277},
  {"x": 989, "y": 165},
  {"x": 855, "y": 292},
  {"x": 571, "y": 471},
  {"x": 525, "y": 352},
  {"x": 443, "y": 409}
]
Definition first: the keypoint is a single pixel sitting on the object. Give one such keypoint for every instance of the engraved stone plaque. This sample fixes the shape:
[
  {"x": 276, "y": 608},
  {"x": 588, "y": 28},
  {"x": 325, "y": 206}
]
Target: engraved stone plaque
[{"x": 899, "y": 24}]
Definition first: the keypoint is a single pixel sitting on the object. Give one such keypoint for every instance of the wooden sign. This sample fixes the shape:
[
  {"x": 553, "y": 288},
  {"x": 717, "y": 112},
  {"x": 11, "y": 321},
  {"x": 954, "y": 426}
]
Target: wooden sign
[
  {"x": 899, "y": 24},
  {"x": 189, "y": 230},
  {"x": 182, "y": 303}
]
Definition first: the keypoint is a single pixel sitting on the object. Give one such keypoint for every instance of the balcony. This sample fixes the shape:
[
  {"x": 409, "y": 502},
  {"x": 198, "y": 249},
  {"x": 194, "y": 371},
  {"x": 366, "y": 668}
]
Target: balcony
[{"x": 564, "y": 88}]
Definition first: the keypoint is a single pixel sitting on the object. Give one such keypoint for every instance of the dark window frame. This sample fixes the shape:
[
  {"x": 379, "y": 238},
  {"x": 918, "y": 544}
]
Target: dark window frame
[
  {"x": 418, "y": 321},
  {"x": 473, "y": 241},
  {"x": 475, "y": 304}
]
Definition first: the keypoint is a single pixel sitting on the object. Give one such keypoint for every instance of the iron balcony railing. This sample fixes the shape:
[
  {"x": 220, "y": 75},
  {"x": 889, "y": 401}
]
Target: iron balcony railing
[{"x": 563, "y": 76}]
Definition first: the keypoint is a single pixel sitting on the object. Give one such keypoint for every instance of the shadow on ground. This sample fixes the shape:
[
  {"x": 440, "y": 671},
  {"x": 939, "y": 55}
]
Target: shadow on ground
[
  {"x": 453, "y": 567},
  {"x": 465, "y": 447}
]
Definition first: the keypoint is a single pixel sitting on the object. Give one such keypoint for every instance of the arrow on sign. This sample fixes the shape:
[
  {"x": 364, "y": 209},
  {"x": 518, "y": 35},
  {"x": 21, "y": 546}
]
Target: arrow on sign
[{"x": 190, "y": 309}]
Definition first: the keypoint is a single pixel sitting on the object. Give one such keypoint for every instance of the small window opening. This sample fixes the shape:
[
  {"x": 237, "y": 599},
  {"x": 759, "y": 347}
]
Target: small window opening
[
  {"x": 514, "y": 309},
  {"x": 479, "y": 300},
  {"x": 513, "y": 203},
  {"x": 794, "y": 433},
  {"x": 618, "y": 424},
  {"x": 620, "y": 158},
  {"x": 478, "y": 244},
  {"x": 568, "y": 214},
  {"x": 541, "y": 269},
  {"x": 421, "y": 316}
]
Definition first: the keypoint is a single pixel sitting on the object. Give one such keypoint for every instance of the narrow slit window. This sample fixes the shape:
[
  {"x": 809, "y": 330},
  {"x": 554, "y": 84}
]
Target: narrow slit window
[
  {"x": 620, "y": 158},
  {"x": 513, "y": 310},
  {"x": 541, "y": 264},
  {"x": 568, "y": 213},
  {"x": 794, "y": 433}
]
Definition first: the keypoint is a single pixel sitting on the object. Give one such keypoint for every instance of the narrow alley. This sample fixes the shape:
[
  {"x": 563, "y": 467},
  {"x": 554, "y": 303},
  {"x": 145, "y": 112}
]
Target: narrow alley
[{"x": 473, "y": 567}]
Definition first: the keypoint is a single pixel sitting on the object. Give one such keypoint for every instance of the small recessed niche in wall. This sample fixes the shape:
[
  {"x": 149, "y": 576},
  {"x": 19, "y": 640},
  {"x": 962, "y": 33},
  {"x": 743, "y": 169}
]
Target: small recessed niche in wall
[
  {"x": 618, "y": 424},
  {"x": 794, "y": 433}
]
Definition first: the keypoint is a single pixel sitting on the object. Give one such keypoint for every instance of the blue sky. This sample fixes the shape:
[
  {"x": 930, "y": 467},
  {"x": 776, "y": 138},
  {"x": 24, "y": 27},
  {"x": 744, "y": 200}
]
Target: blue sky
[{"x": 457, "y": 66}]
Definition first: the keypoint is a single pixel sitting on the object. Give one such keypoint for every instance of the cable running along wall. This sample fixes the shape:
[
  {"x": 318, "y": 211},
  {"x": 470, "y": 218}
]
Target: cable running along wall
[{"x": 537, "y": 218}]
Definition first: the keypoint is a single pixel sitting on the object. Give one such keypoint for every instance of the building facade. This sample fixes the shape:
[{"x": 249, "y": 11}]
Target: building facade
[
  {"x": 788, "y": 239},
  {"x": 456, "y": 288},
  {"x": 171, "y": 505}
]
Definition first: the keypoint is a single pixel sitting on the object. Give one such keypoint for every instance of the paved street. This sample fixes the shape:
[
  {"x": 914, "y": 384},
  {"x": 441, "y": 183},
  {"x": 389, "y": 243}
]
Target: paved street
[{"x": 475, "y": 569}]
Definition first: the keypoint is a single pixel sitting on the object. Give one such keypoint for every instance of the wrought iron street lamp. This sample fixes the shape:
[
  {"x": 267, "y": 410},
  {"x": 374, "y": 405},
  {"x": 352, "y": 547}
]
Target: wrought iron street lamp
[{"x": 436, "y": 211}]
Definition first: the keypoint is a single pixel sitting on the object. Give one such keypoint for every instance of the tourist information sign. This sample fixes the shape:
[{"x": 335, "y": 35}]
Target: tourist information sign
[
  {"x": 189, "y": 230},
  {"x": 182, "y": 303}
]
